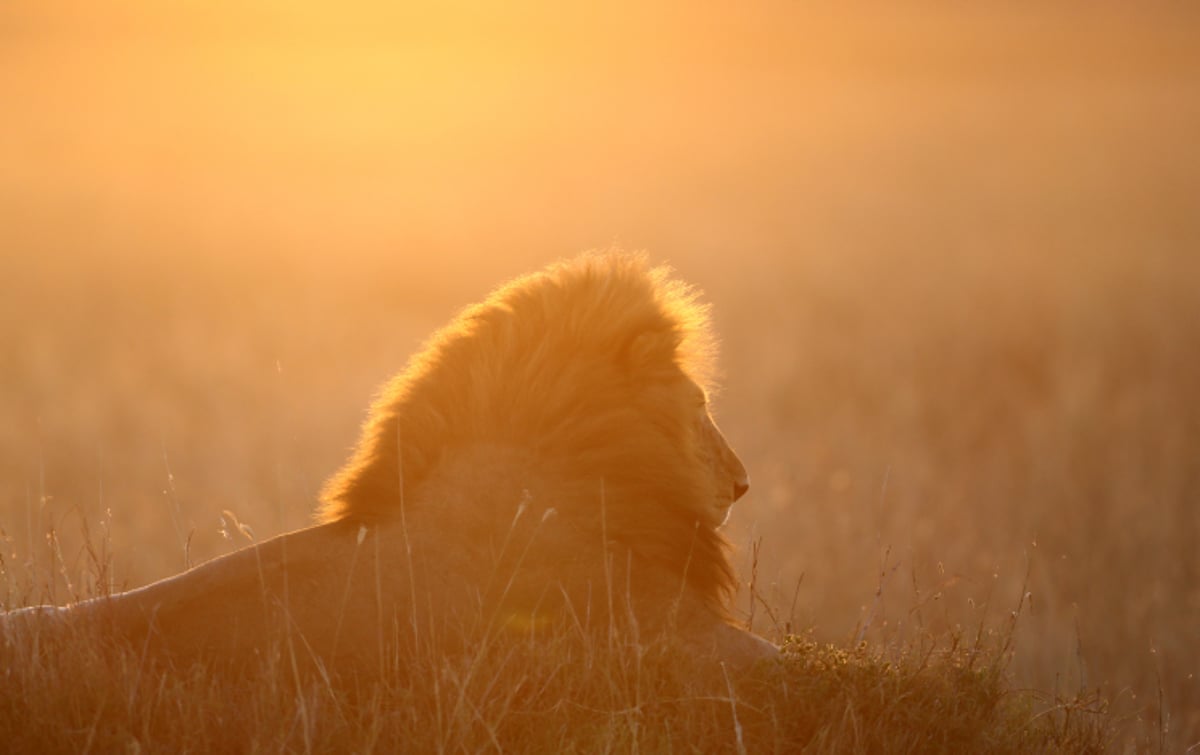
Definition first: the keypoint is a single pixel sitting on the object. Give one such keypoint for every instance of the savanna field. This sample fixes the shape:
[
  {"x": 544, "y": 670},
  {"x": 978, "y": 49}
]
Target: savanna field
[{"x": 953, "y": 257}]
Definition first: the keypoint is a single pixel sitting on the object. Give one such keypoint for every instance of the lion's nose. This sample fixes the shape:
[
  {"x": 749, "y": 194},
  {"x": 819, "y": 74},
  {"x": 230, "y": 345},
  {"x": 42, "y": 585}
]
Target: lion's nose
[{"x": 740, "y": 487}]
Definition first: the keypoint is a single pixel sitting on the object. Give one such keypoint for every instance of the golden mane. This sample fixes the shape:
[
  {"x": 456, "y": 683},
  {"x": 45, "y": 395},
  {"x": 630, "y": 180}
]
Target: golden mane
[{"x": 586, "y": 366}]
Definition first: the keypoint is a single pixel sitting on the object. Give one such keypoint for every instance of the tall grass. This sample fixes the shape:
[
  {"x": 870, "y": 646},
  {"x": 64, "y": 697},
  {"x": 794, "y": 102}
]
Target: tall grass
[{"x": 73, "y": 690}]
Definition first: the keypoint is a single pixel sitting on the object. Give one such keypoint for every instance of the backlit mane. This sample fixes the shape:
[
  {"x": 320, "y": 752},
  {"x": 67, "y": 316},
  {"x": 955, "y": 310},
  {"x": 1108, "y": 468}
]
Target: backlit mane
[{"x": 587, "y": 365}]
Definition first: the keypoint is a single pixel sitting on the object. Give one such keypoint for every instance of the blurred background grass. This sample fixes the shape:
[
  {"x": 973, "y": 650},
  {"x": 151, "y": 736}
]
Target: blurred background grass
[{"x": 954, "y": 256}]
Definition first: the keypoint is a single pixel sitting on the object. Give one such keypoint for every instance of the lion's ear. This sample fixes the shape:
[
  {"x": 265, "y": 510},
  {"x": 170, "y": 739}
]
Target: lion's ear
[{"x": 650, "y": 349}]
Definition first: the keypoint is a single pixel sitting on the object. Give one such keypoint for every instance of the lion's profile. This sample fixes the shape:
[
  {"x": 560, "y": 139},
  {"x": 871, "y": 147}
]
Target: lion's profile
[{"x": 548, "y": 449}]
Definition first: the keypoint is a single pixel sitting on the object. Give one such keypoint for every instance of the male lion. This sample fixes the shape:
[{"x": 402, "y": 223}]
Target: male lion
[{"x": 547, "y": 463}]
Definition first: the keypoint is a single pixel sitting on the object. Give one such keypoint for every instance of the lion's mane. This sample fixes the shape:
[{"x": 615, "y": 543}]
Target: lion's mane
[{"x": 586, "y": 367}]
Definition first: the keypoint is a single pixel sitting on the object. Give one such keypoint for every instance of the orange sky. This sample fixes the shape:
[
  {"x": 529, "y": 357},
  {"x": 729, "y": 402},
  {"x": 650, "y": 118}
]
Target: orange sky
[{"x": 271, "y": 122}]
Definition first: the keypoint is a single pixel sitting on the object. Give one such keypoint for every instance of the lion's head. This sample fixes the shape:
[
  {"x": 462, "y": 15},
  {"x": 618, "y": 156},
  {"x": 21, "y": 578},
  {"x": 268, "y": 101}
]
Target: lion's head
[{"x": 599, "y": 368}]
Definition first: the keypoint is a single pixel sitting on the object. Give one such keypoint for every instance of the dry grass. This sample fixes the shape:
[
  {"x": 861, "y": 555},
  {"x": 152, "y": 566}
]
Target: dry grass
[{"x": 75, "y": 692}]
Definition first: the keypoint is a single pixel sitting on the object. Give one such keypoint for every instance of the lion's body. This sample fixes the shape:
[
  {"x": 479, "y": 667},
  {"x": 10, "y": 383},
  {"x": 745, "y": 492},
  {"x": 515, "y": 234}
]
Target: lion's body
[{"x": 539, "y": 466}]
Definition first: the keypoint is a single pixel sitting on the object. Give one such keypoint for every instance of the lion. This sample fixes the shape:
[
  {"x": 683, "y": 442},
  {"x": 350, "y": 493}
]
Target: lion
[{"x": 546, "y": 464}]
